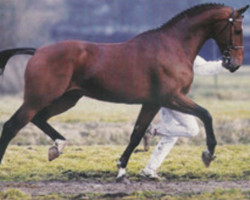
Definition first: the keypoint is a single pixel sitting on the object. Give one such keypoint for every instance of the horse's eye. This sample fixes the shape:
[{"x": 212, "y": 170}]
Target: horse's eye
[{"x": 237, "y": 32}]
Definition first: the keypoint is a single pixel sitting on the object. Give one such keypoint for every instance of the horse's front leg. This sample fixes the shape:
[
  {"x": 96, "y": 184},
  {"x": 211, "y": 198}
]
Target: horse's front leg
[
  {"x": 146, "y": 115},
  {"x": 183, "y": 104}
]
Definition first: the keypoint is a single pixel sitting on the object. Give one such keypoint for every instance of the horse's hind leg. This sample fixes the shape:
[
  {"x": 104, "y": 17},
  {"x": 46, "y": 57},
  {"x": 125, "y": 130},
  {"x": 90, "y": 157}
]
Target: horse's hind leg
[
  {"x": 60, "y": 105},
  {"x": 146, "y": 115},
  {"x": 23, "y": 115}
]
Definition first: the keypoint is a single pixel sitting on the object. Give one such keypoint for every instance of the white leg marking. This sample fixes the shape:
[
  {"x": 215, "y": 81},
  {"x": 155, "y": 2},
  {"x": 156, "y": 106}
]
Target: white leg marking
[
  {"x": 121, "y": 173},
  {"x": 60, "y": 144}
]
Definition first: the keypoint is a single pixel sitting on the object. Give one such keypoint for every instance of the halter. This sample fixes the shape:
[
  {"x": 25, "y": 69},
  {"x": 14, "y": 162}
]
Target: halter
[{"x": 226, "y": 56}]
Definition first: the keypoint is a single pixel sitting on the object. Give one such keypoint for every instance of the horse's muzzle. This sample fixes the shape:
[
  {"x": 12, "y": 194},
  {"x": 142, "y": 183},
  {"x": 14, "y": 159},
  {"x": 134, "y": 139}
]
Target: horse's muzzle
[
  {"x": 234, "y": 69},
  {"x": 229, "y": 66}
]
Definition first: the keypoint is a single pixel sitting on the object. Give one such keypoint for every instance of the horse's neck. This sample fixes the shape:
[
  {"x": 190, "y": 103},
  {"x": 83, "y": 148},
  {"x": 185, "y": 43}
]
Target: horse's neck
[{"x": 191, "y": 34}]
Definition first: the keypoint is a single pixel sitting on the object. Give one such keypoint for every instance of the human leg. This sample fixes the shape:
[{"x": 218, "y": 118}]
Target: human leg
[
  {"x": 176, "y": 124},
  {"x": 162, "y": 149}
]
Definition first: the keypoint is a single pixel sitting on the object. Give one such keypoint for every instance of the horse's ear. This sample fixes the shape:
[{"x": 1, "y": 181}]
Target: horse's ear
[{"x": 242, "y": 10}]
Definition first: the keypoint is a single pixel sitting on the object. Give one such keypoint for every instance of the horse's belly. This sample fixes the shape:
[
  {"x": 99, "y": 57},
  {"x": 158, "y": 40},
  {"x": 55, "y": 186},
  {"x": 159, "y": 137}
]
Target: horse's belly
[{"x": 115, "y": 92}]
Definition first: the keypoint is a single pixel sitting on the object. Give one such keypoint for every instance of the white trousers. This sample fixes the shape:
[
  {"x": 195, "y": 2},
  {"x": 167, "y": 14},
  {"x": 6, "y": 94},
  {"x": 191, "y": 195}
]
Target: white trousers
[{"x": 173, "y": 125}]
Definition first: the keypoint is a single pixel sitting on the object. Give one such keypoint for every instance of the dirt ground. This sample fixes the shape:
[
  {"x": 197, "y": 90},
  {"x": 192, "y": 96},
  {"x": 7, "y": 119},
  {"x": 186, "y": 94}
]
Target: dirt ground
[{"x": 77, "y": 187}]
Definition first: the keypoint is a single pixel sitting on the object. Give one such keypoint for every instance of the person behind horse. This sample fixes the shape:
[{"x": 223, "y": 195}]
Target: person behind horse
[{"x": 175, "y": 124}]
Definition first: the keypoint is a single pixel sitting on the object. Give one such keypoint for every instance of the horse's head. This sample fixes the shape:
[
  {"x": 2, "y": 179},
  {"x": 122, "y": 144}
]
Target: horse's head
[{"x": 229, "y": 37}]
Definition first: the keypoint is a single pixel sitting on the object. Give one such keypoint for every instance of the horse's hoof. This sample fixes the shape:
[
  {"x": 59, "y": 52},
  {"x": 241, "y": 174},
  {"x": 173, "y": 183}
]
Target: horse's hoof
[
  {"x": 53, "y": 153},
  {"x": 207, "y": 158},
  {"x": 121, "y": 176}
]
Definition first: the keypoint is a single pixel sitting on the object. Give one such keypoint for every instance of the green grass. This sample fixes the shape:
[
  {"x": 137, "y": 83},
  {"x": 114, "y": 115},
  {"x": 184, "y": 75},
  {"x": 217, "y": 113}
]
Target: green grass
[
  {"x": 99, "y": 163},
  {"x": 14, "y": 194}
]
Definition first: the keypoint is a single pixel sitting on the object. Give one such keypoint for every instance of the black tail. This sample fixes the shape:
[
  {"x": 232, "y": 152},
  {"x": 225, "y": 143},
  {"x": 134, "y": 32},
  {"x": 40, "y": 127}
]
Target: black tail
[{"x": 5, "y": 55}]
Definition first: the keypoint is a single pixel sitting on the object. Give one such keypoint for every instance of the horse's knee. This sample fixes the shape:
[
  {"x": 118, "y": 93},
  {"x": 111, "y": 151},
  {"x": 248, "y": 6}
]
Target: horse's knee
[{"x": 212, "y": 143}]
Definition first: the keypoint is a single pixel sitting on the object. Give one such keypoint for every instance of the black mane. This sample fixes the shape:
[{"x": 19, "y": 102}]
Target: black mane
[{"x": 191, "y": 12}]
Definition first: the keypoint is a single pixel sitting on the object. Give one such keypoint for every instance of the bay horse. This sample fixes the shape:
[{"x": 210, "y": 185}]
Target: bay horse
[{"x": 153, "y": 69}]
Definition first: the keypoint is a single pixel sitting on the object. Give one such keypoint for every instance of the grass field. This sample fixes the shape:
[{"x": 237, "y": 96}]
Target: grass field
[
  {"x": 29, "y": 163},
  {"x": 80, "y": 162},
  {"x": 94, "y": 122}
]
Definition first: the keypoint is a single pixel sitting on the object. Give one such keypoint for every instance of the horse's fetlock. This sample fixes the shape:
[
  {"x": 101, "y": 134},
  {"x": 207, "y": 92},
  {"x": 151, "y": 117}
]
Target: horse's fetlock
[{"x": 212, "y": 143}]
